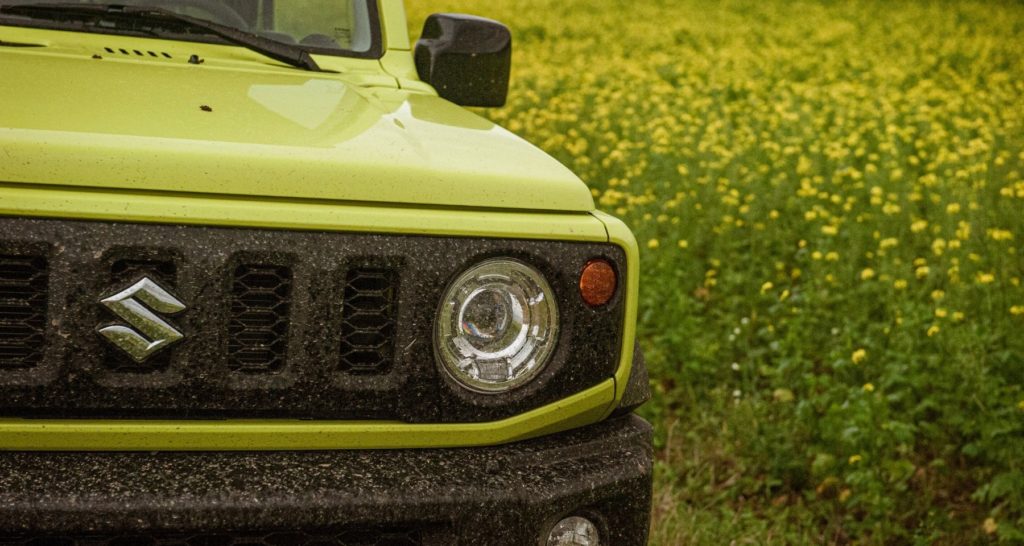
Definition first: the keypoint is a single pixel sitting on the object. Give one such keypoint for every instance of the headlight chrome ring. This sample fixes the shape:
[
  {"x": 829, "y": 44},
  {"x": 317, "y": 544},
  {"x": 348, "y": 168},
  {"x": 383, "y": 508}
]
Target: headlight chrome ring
[{"x": 497, "y": 326}]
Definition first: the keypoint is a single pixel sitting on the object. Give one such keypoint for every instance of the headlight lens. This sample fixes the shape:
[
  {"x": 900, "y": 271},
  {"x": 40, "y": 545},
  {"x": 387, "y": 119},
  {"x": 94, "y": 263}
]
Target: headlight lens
[{"x": 497, "y": 325}]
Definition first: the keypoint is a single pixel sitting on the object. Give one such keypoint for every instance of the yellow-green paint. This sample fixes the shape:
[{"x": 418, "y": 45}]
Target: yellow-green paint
[
  {"x": 130, "y": 122},
  {"x": 620, "y": 235},
  {"x": 87, "y": 435},
  {"x": 395, "y": 25},
  {"x": 367, "y": 149},
  {"x": 304, "y": 214}
]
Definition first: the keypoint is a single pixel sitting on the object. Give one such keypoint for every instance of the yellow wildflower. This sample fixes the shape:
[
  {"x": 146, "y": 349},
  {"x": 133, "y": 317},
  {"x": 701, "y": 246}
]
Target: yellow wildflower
[
  {"x": 985, "y": 278},
  {"x": 941, "y": 313},
  {"x": 683, "y": 243},
  {"x": 919, "y": 226},
  {"x": 900, "y": 284},
  {"x": 854, "y": 459},
  {"x": 922, "y": 272},
  {"x": 1017, "y": 310},
  {"x": 869, "y": 387},
  {"x": 653, "y": 243},
  {"x": 867, "y": 274},
  {"x": 1000, "y": 235},
  {"x": 938, "y": 295},
  {"x": 860, "y": 355},
  {"x": 934, "y": 329},
  {"x": 963, "y": 230},
  {"x": 766, "y": 287},
  {"x": 783, "y": 395}
]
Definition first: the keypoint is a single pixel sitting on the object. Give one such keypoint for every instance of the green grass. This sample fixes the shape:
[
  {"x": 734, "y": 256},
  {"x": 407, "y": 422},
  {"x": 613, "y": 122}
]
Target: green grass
[{"x": 831, "y": 204}]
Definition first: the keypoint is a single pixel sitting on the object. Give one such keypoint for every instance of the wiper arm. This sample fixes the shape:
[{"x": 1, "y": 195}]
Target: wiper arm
[{"x": 286, "y": 53}]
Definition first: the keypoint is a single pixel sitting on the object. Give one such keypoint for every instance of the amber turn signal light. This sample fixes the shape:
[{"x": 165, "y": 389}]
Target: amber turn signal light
[{"x": 598, "y": 282}]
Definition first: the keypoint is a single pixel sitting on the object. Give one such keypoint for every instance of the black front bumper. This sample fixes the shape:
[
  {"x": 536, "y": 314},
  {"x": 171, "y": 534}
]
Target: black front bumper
[{"x": 496, "y": 495}]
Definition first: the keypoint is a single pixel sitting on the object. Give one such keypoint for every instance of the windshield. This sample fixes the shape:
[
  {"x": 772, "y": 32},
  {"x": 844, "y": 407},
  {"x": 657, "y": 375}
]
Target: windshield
[{"x": 333, "y": 27}]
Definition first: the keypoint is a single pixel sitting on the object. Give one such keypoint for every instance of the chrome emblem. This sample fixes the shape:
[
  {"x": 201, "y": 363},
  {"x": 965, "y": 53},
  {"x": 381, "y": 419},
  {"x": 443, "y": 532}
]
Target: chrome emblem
[{"x": 150, "y": 332}]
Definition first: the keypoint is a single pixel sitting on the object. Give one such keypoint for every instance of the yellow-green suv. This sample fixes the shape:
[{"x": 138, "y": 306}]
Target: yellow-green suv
[{"x": 262, "y": 281}]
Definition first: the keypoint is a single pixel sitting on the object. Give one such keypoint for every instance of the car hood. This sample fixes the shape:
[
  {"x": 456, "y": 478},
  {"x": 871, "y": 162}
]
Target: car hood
[{"x": 125, "y": 118}]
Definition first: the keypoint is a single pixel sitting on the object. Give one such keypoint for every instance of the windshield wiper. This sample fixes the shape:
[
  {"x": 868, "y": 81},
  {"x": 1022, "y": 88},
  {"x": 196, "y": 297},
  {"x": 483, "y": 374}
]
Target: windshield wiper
[{"x": 286, "y": 53}]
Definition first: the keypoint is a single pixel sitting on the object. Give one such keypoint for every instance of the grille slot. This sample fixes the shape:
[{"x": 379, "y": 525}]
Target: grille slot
[
  {"x": 23, "y": 295},
  {"x": 123, "y": 272},
  {"x": 368, "y": 325},
  {"x": 353, "y": 536},
  {"x": 258, "y": 330}
]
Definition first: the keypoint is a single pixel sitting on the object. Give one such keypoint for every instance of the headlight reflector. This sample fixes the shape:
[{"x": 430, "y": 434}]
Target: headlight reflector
[{"x": 497, "y": 325}]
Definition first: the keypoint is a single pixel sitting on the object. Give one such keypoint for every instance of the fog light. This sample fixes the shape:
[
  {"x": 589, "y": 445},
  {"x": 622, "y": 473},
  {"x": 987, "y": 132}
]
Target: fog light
[{"x": 574, "y": 531}]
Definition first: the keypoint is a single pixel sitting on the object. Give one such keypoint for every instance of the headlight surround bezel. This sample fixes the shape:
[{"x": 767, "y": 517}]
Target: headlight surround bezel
[{"x": 530, "y": 305}]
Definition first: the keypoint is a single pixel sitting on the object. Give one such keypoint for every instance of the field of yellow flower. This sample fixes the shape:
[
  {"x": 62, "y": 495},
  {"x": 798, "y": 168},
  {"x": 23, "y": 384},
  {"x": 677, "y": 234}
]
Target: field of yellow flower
[{"x": 831, "y": 201}]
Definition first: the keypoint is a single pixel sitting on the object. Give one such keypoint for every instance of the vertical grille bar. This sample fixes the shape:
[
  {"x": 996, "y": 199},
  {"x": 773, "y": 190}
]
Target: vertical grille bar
[
  {"x": 368, "y": 327},
  {"x": 258, "y": 330},
  {"x": 23, "y": 296}
]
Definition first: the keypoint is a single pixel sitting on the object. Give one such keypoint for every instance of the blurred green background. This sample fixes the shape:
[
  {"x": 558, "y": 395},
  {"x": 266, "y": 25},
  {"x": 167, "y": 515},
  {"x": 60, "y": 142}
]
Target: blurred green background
[{"x": 830, "y": 200}]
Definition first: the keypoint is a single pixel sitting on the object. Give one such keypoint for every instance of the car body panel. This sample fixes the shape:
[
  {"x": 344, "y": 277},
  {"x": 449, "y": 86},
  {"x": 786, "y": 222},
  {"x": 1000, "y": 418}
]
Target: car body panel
[
  {"x": 241, "y": 124},
  {"x": 368, "y": 148}
]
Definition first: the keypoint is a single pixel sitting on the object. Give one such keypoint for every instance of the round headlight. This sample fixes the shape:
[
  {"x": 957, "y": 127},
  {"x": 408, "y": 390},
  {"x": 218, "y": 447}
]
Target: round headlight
[{"x": 497, "y": 325}]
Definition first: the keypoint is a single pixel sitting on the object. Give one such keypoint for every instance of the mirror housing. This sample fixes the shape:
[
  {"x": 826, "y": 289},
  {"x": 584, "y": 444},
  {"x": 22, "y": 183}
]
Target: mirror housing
[{"x": 467, "y": 59}]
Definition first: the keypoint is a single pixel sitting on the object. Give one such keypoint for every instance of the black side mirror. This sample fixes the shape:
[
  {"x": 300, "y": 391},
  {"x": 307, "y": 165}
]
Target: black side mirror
[{"x": 466, "y": 58}]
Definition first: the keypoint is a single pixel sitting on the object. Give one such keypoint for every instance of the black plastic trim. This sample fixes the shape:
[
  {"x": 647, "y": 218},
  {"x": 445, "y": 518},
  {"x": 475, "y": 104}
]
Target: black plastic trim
[
  {"x": 192, "y": 379},
  {"x": 499, "y": 496}
]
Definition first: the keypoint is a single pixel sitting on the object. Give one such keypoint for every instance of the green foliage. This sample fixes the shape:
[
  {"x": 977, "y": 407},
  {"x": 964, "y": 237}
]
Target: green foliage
[{"x": 830, "y": 199}]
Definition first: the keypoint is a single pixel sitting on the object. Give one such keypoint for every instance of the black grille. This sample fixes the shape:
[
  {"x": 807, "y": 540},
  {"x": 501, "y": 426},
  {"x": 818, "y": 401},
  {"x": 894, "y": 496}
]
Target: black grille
[
  {"x": 124, "y": 271},
  {"x": 277, "y": 324},
  {"x": 343, "y": 537},
  {"x": 258, "y": 331},
  {"x": 23, "y": 289},
  {"x": 368, "y": 324}
]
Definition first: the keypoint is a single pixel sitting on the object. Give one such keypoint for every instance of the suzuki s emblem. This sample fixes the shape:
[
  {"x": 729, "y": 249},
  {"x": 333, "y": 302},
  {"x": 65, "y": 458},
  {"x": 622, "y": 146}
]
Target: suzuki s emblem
[{"x": 139, "y": 305}]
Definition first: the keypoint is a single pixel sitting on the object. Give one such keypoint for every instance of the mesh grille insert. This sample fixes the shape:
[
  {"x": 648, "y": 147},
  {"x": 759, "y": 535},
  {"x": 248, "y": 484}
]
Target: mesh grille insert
[
  {"x": 258, "y": 331},
  {"x": 23, "y": 294},
  {"x": 368, "y": 325}
]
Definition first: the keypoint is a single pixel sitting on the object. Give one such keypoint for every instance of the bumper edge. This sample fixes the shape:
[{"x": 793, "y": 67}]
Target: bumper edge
[{"x": 508, "y": 494}]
